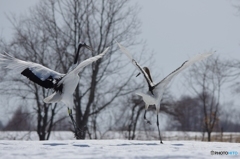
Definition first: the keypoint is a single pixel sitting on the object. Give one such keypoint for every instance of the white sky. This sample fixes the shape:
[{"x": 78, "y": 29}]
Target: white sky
[{"x": 175, "y": 30}]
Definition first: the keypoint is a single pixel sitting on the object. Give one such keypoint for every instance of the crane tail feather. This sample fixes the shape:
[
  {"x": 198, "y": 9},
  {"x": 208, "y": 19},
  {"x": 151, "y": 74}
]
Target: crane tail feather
[{"x": 53, "y": 98}]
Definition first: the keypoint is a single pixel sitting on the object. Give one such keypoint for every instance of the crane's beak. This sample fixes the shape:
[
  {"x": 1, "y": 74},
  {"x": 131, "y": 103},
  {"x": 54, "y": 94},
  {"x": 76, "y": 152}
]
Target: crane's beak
[
  {"x": 88, "y": 47},
  {"x": 138, "y": 74}
]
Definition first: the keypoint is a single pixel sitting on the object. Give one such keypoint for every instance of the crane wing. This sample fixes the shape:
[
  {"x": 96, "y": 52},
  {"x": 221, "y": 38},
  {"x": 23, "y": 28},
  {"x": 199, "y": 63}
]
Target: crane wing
[
  {"x": 89, "y": 61},
  {"x": 126, "y": 52},
  {"x": 186, "y": 64},
  {"x": 37, "y": 73}
]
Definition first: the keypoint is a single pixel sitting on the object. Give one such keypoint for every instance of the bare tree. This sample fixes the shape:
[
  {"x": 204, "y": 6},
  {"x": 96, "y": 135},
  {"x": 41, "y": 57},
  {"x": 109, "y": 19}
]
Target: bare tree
[
  {"x": 132, "y": 113},
  {"x": 21, "y": 120},
  {"x": 101, "y": 24},
  {"x": 230, "y": 117},
  {"x": 189, "y": 114},
  {"x": 50, "y": 35},
  {"x": 206, "y": 80}
]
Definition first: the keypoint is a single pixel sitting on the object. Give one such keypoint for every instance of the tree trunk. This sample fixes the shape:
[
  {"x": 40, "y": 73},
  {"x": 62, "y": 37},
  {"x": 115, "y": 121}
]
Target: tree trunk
[{"x": 209, "y": 136}]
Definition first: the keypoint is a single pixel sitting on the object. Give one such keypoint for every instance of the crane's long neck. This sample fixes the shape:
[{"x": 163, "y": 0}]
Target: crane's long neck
[
  {"x": 77, "y": 54},
  {"x": 150, "y": 78},
  {"x": 148, "y": 73}
]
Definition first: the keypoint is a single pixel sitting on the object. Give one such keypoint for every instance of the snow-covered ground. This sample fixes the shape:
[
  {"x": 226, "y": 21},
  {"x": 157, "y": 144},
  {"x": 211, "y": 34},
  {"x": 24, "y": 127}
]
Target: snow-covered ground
[
  {"x": 63, "y": 145},
  {"x": 69, "y": 149},
  {"x": 140, "y": 135}
]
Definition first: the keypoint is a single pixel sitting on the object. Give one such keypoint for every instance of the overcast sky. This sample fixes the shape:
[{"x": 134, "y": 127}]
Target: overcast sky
[
  {"x": 174, "y": 29},
  {"x": 178, "y": 29}
]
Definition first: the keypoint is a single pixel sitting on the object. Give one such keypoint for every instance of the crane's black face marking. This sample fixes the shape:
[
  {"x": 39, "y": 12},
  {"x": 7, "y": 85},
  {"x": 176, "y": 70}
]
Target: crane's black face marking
[{"x": 48, "y": 83}]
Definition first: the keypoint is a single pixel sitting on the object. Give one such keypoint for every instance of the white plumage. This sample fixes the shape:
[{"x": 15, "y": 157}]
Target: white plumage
[
  {"x": 155, "y": 93},
  {"x": 17, "y": 65},
  {"x": 63, "y": 84}
]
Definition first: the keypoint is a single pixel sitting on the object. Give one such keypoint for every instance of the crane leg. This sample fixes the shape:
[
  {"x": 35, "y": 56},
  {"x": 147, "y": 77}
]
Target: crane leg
[
  {"x": 146, "y": 118},
  {"x": 159, "y": 134},
  {"x": 77, "y": 130}
]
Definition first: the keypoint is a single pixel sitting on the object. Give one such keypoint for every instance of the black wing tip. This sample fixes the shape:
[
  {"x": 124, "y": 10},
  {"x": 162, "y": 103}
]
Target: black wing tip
[{"x": 48, "y": 83}]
